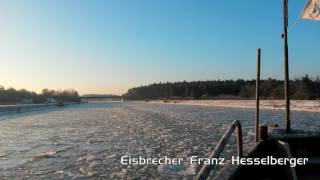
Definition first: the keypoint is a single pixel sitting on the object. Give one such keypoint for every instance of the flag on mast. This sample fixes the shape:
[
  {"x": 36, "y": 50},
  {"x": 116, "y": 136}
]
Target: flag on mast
[{"x": 311, "y": 10}]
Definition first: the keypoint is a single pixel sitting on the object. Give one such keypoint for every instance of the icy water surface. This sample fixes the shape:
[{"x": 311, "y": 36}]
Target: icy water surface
[{"x": 88, "y": 140}]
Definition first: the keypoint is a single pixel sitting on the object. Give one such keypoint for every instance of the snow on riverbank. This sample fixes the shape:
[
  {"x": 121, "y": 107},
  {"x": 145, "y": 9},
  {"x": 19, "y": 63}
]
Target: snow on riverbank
[{"x": 296, "y": 105}]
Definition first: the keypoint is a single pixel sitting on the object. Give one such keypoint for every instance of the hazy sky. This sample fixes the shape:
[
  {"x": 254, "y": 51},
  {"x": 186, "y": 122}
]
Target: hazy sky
[{"x": 108, "y": 46}]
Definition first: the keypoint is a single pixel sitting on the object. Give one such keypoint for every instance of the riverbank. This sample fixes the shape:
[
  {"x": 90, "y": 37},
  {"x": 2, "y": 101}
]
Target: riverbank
[
  {"x": 21, "y": 107},
  {"x": 296, "y": 105}
]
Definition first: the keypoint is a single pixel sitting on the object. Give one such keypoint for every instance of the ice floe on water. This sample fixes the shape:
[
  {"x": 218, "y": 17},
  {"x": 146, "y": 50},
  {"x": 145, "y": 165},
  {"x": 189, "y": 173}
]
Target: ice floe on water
[{"x": 88, "y": 141}]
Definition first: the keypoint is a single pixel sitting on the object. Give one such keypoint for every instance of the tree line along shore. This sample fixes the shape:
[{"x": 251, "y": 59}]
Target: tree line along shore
[
  {"x": 304, "y": 88},
  {"x": 13, "y": 96}
]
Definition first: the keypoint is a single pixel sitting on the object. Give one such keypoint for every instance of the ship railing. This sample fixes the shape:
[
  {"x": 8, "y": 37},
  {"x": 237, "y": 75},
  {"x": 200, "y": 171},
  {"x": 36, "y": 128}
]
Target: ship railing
[{"x": 206, "y": 169}]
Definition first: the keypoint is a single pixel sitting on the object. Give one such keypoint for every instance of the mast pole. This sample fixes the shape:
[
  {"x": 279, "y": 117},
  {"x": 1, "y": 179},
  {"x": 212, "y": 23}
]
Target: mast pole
[
  {"x": 286, "y": 64},
  {"x": 258, "y": 93}
]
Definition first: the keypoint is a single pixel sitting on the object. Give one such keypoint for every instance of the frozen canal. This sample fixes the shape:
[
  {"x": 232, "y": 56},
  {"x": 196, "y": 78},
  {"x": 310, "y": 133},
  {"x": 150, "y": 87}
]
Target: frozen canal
[{"x": 88, "y": 140}]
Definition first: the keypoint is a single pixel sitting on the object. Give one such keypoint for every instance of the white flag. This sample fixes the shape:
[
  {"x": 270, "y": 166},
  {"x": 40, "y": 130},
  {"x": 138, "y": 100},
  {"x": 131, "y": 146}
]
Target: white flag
[{"x": 311, "y": 10}]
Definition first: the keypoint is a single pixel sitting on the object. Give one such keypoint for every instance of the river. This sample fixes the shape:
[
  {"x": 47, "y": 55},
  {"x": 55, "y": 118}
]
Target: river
[{"x": 88, "y": 140}]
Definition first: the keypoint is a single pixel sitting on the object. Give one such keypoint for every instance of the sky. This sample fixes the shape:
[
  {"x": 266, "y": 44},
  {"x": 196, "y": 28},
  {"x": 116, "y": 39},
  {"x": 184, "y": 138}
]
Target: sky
[{"x": 109, "y": 46}]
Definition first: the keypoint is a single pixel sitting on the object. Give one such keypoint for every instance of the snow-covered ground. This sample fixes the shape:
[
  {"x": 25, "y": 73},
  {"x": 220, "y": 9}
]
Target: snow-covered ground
[{"x": 296, "y": 105}]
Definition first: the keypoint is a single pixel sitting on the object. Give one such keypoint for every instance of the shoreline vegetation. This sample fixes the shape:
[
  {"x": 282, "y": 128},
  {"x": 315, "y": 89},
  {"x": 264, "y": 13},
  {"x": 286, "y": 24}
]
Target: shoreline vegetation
[
  {"x": 304, "y": 93},
  {"x": 304, "y": 88},
  {"x": 11, "y": 96},
  {"x": 296, "y": 105}
]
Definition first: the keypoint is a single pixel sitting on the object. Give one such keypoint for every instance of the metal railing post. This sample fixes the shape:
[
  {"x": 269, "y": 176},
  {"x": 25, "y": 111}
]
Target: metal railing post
[
  {"x": 239, "y": 140},
  {"x": 206, "y": 169}
]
